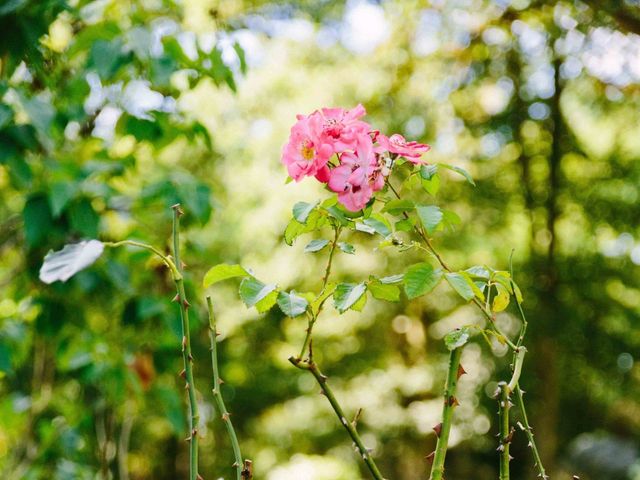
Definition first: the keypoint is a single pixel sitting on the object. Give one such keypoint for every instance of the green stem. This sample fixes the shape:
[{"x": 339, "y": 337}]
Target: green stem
[
  {"x": 528, "y": 431},
  {"x": 175, "y": 272},
  {"x": 325, "y": 281},
  {"x": 350, "y": 427},
  {"x": 186, "y": 350},
  {"x": 519, "y": 395},
  {"x": 450, "y": 402},
  {"x": 442, "y": 263},
  {"x": 217, "y": 395},
  {"x": 505, "y": 433},
  {"x": 311, "y": 366}
]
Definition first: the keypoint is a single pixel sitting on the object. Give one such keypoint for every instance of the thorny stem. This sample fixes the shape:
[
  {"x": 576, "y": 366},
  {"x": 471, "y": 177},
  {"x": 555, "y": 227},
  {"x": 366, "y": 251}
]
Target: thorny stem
[
  {"x": 186, "y": 349},
  {"x": 325, "y": 281},
  {"x": 349, "y": 426},
  {"x": 520, "y": 393},
  {"x": 217, "y": 382},
  {"x": 311, "y": 366},
  {"x": 528, "y": 431},
  {"x": 517, "y": 348},
  {"x": 450, "y": 402},
  {"x": 505, "y": 435}
]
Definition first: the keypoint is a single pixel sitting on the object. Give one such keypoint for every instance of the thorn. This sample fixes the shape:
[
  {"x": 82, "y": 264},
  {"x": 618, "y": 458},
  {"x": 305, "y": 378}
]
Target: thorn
[
  {"x": 509, "y": 437},
  {"x": 186, "y": 303},
  {"x": 199, "y": 477},
  {"x": 510, "y": 458},
  {"x": 183, "y": 373},
  {"x": 461, "y": 370},
  {"x": 176, "y": 298},
  {"x": 438, "y": 429},
  {"x": 184, "y": 342},
  {"x": 247, "y": 471},
  {"x": 430, "y": 456},
  {"x": 178, "y": 210},
  {"x": 226, "y": 416},
  {"x": 186, "y": 386},
  {"x": 220, "y": 381},
  {"x": 190, "y": 358},
  {"x": 453, "y": 401},
  {"x": 356, "y": 417},
  {"x": 188, "y": 439},
  {"x": 235, "y": 465}
]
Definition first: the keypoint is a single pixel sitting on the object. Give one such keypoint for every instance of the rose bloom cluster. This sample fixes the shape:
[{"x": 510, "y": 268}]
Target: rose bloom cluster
[{"x": 337, "y": 148}]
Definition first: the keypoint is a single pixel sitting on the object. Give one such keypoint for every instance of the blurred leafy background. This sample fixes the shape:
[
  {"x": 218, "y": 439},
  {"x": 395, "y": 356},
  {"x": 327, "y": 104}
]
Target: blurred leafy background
[{"x": 114, "y": 110}]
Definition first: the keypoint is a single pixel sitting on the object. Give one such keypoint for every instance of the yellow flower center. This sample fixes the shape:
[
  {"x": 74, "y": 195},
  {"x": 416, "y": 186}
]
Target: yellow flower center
[{"x": 307, "y": 151}]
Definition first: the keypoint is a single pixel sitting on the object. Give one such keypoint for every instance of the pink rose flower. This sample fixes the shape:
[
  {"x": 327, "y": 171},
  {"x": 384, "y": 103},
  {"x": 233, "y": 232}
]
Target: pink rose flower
[
  {"x": 306, "y": 153},
  {"x": 396, "y": 143},
  {"x": 342, "y": 128},
  {"x": 357, "y": 176}
]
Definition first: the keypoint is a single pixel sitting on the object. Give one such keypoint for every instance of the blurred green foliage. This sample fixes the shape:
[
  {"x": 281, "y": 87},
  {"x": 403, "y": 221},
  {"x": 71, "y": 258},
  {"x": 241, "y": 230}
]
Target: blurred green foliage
[{"x": 113, "y": 111}]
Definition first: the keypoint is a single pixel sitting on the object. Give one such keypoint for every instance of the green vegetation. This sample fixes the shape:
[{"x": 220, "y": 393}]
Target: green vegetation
[{"x": 112, "y": 112}]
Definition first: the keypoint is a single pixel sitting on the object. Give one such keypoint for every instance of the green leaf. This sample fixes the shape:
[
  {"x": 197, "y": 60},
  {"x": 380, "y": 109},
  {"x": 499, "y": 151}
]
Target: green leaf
[
  {"x": 478, "y": 271},
  {"x": 432, "y": 186},
  {"x": 6, "y": 115},
  {"x": 430, "y": 216},
  {"x": 419, "y": 279},
  {"x": 458, "y": 338},
  {"x": 65, "y": 263},
  {"x": 253, "y": 290},
  {"x": 427, "y": 172},
  {"x": 460, "y": 284},
  {"x": 241, "y": 57},
  {"x": 222, "y": 272},
  {"x": 460, "y": 171},
  {"x": 517, "y": 292},
  {"x": 384, "y": 291},
  {"x": 347, "y": 294},
  {"x": 291, "y": 304},
  {"x": 59, "y": 196},
  {"x": 106, "y": 57},
  {"x": 336, "y": 212},
  {"x": 267, "y": 302},
  {"x": 501, "y": 300},
  {"x": 294, "y": 229},
  {"x": 379, "y": 224},
  {"x": 326, "y": 293},
  {"x": 397, "y": 207},
  {"x": 405, "y": 225},
  {"x": 450, "y": 219},
  {"x": 347, "y": 248},
  {"x": 361, "y": 227},
  {"x": 37, "y": 220},
  {"x": 316, "y": 245},
  {"x": 392, "y": 278},
  {"x": 359, "y": 305},
  {"x": 83, "y": 218},
  {"x": 301, "y": 211}
]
